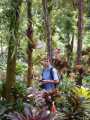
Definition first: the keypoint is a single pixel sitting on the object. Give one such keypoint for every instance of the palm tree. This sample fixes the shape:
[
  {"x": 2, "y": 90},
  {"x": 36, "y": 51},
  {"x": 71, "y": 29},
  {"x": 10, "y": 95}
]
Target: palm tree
[
  {"x": 47, "y": 27},
  {"x": 80, "y": 6},
  {"x": 31, "y": 43},
  {"x": 12, "y": 47}
]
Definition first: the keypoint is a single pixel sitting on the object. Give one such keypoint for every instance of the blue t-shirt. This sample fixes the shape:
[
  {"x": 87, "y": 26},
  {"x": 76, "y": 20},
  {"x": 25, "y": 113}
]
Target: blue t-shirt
[{"x": 46, "y": 75}]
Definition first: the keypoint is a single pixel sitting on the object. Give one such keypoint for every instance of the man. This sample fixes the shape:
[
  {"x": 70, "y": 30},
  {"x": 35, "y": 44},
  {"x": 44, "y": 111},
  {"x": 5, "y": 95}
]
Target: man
[{"x": 49, "y": 75}]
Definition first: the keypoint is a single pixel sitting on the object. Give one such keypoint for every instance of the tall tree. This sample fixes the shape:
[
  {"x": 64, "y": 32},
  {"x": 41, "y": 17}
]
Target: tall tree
[
  {"x": 12, "y": 47},
  {"x": 47, "y": 27},
  {"x": 80, "y": 6},
  {"x": 31, "y": 44}
]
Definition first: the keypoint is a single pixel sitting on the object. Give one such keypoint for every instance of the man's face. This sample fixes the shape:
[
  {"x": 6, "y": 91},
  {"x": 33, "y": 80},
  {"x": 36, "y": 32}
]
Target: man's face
[{"x": 46, "y": 62}]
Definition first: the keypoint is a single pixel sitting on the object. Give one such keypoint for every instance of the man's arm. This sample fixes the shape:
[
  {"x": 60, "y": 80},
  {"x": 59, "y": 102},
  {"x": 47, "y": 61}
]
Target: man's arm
[{"x": 49, "y": 81}]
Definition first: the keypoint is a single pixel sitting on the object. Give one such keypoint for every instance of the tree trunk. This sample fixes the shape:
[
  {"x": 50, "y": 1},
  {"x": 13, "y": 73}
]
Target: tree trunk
[
  {"x": 31, "y": 43},
  {"x": 47, "y": 28},
  {"x": 69, "y": 51},
  {"x": 1, "y": 49},
  {"x": 11, "y": 60},
  {"x": 68, "y": 47},
  {"x": 80, "y": 30},
  {"x": 72, "y": 42}
]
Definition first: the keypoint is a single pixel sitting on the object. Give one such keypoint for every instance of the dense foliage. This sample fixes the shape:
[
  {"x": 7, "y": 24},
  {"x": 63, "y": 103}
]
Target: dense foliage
[{"x": 28, "y": 31}]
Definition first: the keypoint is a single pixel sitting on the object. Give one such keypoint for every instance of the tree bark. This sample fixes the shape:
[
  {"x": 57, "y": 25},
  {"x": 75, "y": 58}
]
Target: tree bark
[
  {"x": 80, "y": 30},
  {"x": 72, "y": 42},
  {"x": 12, "y": 47},
  {"x": 31, "y": 43},
  {"x": 69, "y": 52},
  {"x": 47, "y": 28}
]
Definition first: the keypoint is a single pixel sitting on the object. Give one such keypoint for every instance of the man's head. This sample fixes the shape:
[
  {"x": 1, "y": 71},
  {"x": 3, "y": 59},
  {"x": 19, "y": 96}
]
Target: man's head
[{"x": 46, "y": 61}]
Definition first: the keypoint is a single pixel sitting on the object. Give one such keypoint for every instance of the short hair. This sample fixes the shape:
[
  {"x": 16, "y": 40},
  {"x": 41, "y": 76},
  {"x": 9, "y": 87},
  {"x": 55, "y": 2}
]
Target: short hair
[{"x": 46, "y": 58}]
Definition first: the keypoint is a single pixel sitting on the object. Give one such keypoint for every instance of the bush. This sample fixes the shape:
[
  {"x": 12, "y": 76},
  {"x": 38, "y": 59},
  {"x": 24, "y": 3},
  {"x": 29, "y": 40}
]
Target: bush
[{"x": 20, "y": 88}]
